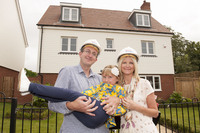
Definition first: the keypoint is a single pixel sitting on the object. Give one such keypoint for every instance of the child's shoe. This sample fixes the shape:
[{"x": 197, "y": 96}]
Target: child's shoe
[{"x": 23, "y": 83}]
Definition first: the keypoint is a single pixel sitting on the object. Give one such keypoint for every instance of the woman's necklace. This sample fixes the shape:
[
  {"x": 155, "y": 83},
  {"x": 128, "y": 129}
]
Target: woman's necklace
[{"x": 130, "y": 89}]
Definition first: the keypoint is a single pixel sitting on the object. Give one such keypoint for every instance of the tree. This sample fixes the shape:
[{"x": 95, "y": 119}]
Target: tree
[
  {"x": 186, "y": 54},
  {"x": 193, "y": 52}
]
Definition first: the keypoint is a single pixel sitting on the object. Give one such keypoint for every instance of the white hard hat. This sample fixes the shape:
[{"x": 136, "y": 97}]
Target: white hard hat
[
  {"x": 128, "y": 51},
  {"x": 92, "y": 42}
]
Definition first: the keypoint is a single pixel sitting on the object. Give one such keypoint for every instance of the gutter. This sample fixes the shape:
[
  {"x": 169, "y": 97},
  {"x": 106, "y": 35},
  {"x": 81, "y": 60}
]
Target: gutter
[{"x": 41, "y": 40}]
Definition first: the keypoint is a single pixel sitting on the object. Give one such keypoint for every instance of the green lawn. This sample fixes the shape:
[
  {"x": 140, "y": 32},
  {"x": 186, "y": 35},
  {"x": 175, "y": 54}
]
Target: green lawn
[
  {"x": 35, "y": 123},
  {"x": 183, "y": 117},
  {"x": 52, "y": 120}
]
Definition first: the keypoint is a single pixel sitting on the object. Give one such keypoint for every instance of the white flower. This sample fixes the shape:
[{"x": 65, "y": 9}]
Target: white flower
[{"x": 115, "y": 71}]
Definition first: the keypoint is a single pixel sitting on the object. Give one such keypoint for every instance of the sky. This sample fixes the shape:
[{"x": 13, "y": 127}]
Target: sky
[{"x": 181, "y": 15}]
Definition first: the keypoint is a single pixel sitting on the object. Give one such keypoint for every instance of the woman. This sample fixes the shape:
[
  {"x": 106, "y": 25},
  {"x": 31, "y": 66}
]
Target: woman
[{"x": 140, "y": 100}]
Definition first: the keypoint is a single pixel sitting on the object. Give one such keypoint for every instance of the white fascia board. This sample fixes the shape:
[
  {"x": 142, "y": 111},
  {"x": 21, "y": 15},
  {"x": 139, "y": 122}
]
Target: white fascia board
[
  {"x": 70, "y": 4},
  {"x": 21, "y": 22},
  {"x": 106, "y": 31}
]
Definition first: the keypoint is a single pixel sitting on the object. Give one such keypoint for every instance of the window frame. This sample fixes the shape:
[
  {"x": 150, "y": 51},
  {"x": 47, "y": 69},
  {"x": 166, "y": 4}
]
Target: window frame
[
  {"x": 109, "y": 39},
  {"x": 69, "y": 44},
  {"x": 70, "y": 14},
  {"x": 110, "y": 49},
  {"x": 147, "y": 47},
  {"x": 153, "y": 78},
  {"x": 143, "y": 19}
]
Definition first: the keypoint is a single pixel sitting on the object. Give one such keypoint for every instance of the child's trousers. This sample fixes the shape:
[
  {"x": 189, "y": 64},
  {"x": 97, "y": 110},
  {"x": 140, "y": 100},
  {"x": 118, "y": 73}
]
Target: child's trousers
[{"x": 55, "y": 94}]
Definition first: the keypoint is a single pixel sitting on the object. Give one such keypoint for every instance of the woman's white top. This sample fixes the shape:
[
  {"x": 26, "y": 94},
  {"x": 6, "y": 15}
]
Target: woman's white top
[{"x": 133, "y": 121}]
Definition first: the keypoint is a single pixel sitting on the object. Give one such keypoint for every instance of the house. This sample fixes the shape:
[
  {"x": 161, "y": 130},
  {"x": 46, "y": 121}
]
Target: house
[
  {"x": 13, "y": 43},
  {"x": 64, "y": 28}
]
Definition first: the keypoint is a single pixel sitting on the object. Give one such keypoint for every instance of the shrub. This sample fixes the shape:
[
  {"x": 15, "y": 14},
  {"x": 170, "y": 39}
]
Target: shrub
[
  {"x": 30, "y": 73},
  {"x": 39, "y": 102},
  {"x": 175, "y": 97}
]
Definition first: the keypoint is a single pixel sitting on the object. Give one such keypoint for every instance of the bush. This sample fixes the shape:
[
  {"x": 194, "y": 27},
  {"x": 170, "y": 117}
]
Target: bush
[
  {"x": 39, "y": 102},
  {"x": 30, "y": 73},
  {"x": 175, "y": 97}
]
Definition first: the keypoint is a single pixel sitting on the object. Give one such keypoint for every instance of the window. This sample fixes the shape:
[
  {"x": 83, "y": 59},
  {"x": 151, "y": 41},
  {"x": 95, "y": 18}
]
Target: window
[
  {"x": 70, "y": 14},
  {"x": 109, "y": 43},
  {"x": 148, "y": 48},
  {"x": 143, "y": 20},
  {"x": 154, "y": 80},
  {"x": 69, "y": 44}
]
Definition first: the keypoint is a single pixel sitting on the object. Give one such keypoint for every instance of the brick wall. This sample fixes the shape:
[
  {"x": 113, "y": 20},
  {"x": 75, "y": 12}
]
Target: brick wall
[
  {"x": 12, "y": 73},
  {"x": 167, "y": 84}
]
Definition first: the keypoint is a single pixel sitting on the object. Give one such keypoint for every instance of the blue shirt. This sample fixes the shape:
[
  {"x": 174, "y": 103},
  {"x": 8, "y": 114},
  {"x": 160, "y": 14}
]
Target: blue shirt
[{"x": 73, "y": 77}]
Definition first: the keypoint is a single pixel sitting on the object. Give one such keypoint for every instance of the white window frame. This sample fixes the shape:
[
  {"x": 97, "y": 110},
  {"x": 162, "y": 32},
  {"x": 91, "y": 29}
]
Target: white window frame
[
  {"x": 112, "y": 41},
  {"x": 70, "y": 14},
  {"x": 143, "y": 20},
  {"x": 153, "y": 83},
  {"x": 148, "y": 49},
  {"x": 69, "y": 44}
]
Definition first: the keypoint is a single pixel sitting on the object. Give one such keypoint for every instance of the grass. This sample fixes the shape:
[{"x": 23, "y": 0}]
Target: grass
[
  {"x": 186, "y": 118},
  {"x": 36, "y": 125},
  {"x": 42, "y": 125}
]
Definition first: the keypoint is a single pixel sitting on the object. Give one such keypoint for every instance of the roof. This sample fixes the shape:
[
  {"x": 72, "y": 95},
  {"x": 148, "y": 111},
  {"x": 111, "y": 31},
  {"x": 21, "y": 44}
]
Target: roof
[{"x": 99, "y": 19}]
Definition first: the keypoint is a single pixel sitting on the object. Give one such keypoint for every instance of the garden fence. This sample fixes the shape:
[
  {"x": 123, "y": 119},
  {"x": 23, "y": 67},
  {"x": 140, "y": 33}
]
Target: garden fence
[{"x": 175, "y": 117}]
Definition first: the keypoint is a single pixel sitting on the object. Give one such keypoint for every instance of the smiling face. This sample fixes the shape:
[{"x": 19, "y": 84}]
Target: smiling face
[
  {"x": 88, "y": 56},
  {"x": 109, "y": 79},
  {"x": 127, "y": 66}
]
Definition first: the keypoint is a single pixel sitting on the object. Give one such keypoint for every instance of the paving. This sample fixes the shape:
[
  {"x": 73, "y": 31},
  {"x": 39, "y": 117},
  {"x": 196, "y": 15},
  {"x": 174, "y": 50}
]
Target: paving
[{"x": 164, "y": 130}]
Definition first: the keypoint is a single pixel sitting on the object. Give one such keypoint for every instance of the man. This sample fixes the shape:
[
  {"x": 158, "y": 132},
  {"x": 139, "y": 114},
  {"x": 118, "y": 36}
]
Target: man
[{"x": 78, "y": 78}]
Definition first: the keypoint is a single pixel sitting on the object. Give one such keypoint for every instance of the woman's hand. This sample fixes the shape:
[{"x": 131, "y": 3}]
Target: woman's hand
[
  {"x": 151, "y": 110},
  {"x": 129, "y": 104},
  {"x": 111, "y": 103}
]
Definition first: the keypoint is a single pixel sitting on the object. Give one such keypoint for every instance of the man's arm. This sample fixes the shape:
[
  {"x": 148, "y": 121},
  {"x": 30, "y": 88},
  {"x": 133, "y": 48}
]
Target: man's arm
[{"x": 81, "y": 104}]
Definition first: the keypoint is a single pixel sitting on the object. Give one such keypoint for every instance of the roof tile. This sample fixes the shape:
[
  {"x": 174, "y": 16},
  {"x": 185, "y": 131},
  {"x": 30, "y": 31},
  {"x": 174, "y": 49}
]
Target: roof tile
[{"x": 99, "y": 19}]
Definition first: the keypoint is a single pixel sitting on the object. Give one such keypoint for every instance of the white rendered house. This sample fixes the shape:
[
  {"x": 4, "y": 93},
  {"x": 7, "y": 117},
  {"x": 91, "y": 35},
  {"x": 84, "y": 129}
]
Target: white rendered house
[
  {"x": 64, "y": 28},
  {"x": 13, "y": 43}
]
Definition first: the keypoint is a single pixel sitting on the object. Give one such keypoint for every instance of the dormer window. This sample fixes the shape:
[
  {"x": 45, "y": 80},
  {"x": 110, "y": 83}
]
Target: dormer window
[
  {"x": 143, "y": 20},
  {"x": 70, "y": 12},
  {"x": 140, "y": 18}
]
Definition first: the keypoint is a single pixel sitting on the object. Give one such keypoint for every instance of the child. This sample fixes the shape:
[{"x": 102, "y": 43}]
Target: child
[{"x": 109, "y": 87}]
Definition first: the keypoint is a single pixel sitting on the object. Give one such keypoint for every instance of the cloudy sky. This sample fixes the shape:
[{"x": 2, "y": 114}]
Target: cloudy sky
[{"x": 181, "y": 15}]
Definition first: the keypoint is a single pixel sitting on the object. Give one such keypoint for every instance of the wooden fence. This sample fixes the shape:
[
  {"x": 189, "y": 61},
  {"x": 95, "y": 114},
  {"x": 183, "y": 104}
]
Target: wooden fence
[{"x": 188, "y": 84}]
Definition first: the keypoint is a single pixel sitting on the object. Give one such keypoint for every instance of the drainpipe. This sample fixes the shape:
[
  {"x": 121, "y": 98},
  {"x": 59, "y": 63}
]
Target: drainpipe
[{"x": 41, "y": 55}]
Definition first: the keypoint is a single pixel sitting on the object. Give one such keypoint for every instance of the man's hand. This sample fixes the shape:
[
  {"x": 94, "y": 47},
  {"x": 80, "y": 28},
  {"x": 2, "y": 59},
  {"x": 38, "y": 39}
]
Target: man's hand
[
  {"x": 111, "y": 103},
  {"x": 82, "y": 104}
]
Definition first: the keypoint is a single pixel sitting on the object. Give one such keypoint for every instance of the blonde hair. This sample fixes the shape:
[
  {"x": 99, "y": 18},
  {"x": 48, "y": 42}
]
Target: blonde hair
[
  {"x": 107, "y": 70},
  {"x": 135, "y": 72}
]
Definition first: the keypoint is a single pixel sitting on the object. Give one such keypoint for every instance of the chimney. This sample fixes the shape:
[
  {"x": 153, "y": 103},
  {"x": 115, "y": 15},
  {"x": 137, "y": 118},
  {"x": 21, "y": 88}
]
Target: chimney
[{"x": 145, "y": 6}]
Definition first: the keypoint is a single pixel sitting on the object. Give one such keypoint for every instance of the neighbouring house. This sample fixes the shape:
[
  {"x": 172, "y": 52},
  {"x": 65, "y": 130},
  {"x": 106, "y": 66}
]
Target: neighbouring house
[
  {"x": 64, "y": 28},
  {"x": 13, "y": 43}
]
